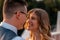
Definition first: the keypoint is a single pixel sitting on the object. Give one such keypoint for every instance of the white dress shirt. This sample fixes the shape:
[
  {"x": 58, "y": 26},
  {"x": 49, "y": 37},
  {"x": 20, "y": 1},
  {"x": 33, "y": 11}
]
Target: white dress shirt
[
  {"x": 12, "y": 28},
  {"x": 26, "y": 34}
]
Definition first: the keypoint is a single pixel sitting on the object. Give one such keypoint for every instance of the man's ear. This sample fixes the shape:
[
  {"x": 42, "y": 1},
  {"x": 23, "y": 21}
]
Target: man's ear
[{"x": 18, "y": 14}]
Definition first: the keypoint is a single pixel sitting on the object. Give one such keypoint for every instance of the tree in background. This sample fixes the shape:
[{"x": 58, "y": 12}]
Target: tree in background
[
  {"x": 52, "y": 10},
  {"x": 1, "y": 4}
]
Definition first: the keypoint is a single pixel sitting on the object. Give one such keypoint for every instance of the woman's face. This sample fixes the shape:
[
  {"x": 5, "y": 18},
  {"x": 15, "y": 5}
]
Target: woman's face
[{"x": 32, "y": 22}]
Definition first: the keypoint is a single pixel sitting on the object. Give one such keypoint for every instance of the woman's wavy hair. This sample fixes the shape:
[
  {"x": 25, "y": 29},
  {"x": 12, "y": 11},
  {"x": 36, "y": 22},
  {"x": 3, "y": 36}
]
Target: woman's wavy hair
[{"x": 43, "y": 21}]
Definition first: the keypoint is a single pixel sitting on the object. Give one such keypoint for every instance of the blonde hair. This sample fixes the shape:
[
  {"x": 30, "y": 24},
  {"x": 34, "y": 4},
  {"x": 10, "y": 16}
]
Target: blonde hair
[{"x": 43, "y": 21}]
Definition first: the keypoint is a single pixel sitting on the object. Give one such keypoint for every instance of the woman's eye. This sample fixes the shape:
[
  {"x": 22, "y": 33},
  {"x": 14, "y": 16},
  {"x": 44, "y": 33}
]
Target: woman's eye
[{"x": 33, "y": 18}]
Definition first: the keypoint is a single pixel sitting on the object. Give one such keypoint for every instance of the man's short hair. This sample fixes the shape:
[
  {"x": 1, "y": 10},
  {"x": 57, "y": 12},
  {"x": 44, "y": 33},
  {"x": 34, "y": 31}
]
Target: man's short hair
[{"x": 10, "y": 6}]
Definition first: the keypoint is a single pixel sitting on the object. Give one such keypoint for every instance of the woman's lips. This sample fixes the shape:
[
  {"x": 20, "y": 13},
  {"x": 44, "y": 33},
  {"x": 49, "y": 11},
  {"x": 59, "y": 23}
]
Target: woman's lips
[{"x": 31, "y": 24}]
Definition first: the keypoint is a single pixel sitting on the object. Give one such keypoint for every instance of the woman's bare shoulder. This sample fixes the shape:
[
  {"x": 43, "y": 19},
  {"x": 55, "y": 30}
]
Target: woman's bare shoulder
[{"x": 52, "y": 39}]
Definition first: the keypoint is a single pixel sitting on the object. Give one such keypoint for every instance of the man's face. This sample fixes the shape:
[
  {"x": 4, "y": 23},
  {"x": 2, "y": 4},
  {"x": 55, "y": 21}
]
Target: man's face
[{"x": 22, "y": 17}]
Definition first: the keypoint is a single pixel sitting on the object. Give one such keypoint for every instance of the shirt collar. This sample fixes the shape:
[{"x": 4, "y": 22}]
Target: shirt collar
[{"x": 8, "y": 26}]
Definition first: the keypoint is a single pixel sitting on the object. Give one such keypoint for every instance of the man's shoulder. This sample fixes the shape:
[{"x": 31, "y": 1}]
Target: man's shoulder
[
  {"x": 8, "y": 34},
  {"x": 6, "y": 31},
  {"x": 2, "y": 29}
]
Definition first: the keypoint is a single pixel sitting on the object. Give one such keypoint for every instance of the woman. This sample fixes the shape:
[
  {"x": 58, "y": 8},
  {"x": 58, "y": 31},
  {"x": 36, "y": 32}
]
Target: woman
[{"x": 38, "y": 24}]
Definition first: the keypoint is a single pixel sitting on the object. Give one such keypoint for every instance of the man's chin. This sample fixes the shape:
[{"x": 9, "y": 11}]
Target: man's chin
[{"x": 21, "y": 28}]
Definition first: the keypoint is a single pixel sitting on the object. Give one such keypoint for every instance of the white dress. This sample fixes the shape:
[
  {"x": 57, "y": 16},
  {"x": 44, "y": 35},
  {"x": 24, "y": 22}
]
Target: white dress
[{"x": 50, "y": 39}]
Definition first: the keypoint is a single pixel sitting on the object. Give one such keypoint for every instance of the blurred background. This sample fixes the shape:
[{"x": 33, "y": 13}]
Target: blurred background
[{"x": 51, "y": 6}]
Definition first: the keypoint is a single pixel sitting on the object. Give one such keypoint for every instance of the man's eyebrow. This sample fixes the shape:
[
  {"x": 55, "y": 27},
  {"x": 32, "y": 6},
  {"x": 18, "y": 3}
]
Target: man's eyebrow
[{"x": 24, "y": 13}]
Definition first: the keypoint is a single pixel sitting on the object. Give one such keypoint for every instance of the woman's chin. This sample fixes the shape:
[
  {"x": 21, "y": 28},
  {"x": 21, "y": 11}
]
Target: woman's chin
[{"x": 29, "y": 29}]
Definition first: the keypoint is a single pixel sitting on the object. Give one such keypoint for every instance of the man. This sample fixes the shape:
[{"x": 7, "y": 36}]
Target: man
[{"x": 14, "y": 17}]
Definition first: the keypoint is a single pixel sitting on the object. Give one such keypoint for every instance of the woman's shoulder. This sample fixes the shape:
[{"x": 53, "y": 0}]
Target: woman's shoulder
[{"x": 52, "y": 39}]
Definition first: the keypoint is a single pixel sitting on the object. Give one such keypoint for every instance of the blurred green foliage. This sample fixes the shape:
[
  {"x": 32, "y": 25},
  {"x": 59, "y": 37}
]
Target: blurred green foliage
[
  {"x": 1, "y": 4},
  {"x": 51, "y": 6}
]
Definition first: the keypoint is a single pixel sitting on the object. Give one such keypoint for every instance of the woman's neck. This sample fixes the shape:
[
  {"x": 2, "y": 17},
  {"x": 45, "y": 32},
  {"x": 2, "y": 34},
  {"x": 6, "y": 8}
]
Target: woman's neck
[{"x": 35, "y": 35}]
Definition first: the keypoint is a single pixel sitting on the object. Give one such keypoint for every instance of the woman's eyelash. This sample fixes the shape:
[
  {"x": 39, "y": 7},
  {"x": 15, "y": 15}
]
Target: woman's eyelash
[{"x": 32, "y": 18}]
